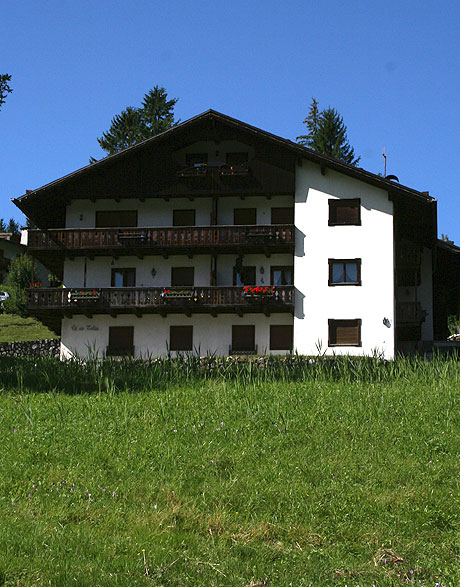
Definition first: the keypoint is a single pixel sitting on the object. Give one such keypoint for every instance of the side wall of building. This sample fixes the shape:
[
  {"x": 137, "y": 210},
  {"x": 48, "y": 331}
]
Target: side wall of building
[{"x": 316, "y": 242}]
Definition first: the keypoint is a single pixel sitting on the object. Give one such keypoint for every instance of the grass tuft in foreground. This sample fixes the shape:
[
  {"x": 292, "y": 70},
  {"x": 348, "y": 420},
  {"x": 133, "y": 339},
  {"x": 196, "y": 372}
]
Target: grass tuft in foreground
[{"x": 344, "y": 472}]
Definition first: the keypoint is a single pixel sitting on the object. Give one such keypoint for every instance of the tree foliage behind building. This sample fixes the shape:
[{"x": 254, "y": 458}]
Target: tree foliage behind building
[
  {"x": 132, "y": 125},
  {"x": 21, "y": 275},
  {"x": 327, "y": 134},
  {"x": 5, "y": 88}
]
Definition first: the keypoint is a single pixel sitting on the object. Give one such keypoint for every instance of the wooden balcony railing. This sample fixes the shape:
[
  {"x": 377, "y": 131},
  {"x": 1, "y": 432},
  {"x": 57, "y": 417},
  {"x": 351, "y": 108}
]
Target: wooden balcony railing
[
  {"x": 154, "y": 299},
  {"x": 94, "y": 239},
  {"x": 409, "y": 313}
]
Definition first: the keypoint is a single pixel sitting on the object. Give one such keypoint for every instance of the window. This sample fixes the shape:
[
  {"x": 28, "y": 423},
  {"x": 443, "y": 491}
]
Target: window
[
  {"x": 123, "y": 278},
  {"x": 243, "y": 339},
  {"x": 344, "y": 271},
  {"x": 247, "y": 276},
  {"x": 192, "y": 159},
  {"x": 121, "y": 341},
  {"x": 182, "y": 276},
  {"x": 345, "y": 332},
  {"x": 183, "y": 217},
  {"x": 181, "y": 338},
  {"x": 345, "y": 212},
  {"x": 116, "y": 218},
  {"x": 281, "y": 275},
  {"x": 236, "y": 158},
  {"x": 243, "y": 216},
  {"x": 282, "y": 215},
  {"x": 281, "y": 337}
]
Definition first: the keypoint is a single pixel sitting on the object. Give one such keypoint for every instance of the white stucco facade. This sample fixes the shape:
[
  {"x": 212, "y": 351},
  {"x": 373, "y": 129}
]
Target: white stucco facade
[
  {"x": 316, "y": 242},
  {"x": 82, "y": 336}
]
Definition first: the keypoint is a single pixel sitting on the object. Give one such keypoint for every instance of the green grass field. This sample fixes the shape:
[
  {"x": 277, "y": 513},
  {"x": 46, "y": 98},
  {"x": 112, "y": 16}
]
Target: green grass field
[
  {"x": 13, "y": 328},
  {"x": 346, "y": 480}
]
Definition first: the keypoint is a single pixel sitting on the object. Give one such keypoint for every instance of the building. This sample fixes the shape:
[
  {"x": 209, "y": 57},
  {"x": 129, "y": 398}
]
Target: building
[{"x": 218, "y": 237}]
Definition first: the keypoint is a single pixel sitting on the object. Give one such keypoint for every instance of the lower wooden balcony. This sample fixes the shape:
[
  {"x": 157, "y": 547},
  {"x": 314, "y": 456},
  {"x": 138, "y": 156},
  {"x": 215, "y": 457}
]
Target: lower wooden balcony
[
  {"x": 51, "y": 304},
  {"x": 52, "y": 246},
  {"x": 409, "y": 314}
]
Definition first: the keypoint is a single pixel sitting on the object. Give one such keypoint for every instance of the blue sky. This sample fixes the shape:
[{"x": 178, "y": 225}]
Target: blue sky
[{"x": 390, "y": 68}]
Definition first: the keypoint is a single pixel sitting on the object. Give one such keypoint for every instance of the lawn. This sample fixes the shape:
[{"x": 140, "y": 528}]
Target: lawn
[
  {"x": 14, "y": 328},
  {"x": 326, "y": 481}
]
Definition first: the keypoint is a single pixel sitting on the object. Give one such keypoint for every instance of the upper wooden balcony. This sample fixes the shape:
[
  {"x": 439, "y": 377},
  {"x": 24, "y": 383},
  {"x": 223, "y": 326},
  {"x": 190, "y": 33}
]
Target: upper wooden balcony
[
  {"x": 51, "y": 304},
  {"x": 52, "y": 246}
]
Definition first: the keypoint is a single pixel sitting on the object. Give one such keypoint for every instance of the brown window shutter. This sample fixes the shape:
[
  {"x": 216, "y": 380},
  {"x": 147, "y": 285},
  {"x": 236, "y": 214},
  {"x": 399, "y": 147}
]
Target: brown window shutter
[
  {"x": 281, "y": 337},
  {"x": 116, "y": 218},
  {"x": 182, "y": 276},
  {"x": 345, "y": 332},
  {"x": 181, "y": 338},
  {"x": 121, "y": 340},
  {"x": 244, "y": 216},
  {"x": 345, "y": 212},
  {"x": 243, "y": 338},
  {"x": 183, "y": 217},
  {"x": 282, "y": 215}
]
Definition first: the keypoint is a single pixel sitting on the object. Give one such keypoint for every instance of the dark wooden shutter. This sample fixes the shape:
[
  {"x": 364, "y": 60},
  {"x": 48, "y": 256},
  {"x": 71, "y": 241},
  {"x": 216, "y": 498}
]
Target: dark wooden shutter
[
  {"x": 282, "y": 215},
  {"x": 116, "y": 218},
  {"x": 345, "y": 332},
  {"x": 182, "y": 276},
  {"x": 281, "y": 337},
  {"x": 184, "y": 218},
  {"x": 243, "y": 338},
  {"x": 181, "y": 338},
  {"x": 243, "y": 216},
  {"x": 344, "y": 212},
  {"x": 121, "y": 340}
]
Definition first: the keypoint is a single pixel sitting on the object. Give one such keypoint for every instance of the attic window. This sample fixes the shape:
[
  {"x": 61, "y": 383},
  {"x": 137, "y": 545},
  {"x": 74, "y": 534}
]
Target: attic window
[{"x": 345, "y": 212}]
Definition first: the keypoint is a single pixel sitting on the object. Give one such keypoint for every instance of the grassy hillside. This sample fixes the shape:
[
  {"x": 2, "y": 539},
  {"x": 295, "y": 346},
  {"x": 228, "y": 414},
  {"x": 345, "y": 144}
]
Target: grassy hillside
[
  {"x": 14, "y": 328},
  {"x": 333, "y": 480}
]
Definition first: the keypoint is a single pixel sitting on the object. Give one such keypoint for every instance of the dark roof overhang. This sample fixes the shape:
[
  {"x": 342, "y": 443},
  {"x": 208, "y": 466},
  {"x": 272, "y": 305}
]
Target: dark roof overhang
[{"x": 34, "y": 202}]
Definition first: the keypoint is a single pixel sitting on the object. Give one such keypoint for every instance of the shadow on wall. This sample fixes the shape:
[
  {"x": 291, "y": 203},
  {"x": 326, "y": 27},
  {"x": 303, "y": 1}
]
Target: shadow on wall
[{"x": 298, "y": 306}]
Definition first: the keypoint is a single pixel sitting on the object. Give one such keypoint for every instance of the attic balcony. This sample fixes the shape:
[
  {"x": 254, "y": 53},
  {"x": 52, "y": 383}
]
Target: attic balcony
[
  {"x": 52, "y": 304},
  {"x": 51, "y": 247}
]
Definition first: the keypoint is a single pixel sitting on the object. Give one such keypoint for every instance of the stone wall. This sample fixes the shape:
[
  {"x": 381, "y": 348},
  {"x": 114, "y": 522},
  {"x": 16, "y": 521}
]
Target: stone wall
[{"x": 31, "y": 348}]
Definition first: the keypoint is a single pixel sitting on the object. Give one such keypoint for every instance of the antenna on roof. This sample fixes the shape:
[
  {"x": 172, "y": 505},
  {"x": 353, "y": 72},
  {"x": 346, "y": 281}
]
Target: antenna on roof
[{"x": 384, "y": 163}]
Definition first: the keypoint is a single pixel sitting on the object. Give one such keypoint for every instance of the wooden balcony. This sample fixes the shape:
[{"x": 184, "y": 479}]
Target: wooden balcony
[
  {"x": 409, "y": 314},
  {"x": 52, "y": 246},
  {"x": 48, "y": 304}
]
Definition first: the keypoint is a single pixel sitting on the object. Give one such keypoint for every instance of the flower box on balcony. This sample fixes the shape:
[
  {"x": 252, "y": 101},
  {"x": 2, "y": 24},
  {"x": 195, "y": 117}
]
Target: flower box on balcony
[
  {"x": 180, "y": 295},
  {"x": 86, "y": 296},
  {"x": 198, "y": 170},
  {"x": 259, "y": 293},
  {"x": 127, "y": 237}
]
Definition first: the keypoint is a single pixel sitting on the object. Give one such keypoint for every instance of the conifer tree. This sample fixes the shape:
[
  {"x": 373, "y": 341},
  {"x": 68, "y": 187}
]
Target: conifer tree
[
  {"x": 133, "y": 125},
  {"x": 328, "y": 134},
  {"x": 4, "y": 87}
]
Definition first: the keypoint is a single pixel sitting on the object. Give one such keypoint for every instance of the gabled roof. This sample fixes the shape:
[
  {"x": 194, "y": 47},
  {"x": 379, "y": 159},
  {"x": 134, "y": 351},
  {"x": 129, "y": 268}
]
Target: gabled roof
[{"x": 213, "y": 116}]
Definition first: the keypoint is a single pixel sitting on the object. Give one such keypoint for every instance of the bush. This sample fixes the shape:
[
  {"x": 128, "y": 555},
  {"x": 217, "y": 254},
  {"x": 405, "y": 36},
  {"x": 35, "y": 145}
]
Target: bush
[{"x": 21, "y": 275}]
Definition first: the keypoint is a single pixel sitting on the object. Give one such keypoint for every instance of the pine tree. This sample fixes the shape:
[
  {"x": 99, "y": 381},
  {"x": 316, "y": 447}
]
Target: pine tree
[
  {"x": 133, "y": 125},
  {"x": 312, "y": 122},
  {"x": 328, "y": 134},
  {"x": 4, "y": 87}
]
